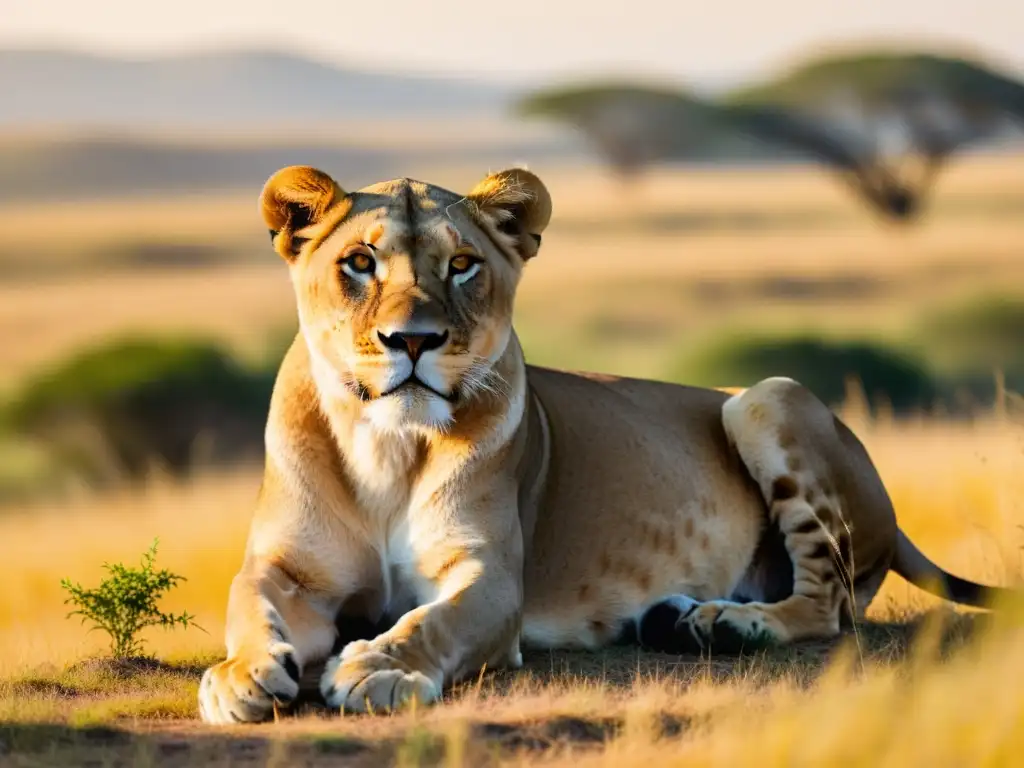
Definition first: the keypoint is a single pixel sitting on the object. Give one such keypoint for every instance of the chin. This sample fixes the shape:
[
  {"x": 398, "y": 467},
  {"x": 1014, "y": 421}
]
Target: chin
[{"x": 410, "y": 409}]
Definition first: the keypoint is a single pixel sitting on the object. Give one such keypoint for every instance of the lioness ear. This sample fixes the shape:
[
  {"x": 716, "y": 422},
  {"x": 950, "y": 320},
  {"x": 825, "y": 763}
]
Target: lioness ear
[
  {"x": 293, "y": 199},
  {"x": 517, "y": 204}
]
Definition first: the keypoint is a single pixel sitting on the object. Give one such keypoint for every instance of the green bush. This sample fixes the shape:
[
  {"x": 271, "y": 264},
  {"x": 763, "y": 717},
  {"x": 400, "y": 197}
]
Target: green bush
[
  {"x": 126, "y": 603},
  {"x": 128, "y": 405},
  {"x": 823, "y": 366},
  {"x": 970, "y": 341},
  {"x": 977, "y": 336}
]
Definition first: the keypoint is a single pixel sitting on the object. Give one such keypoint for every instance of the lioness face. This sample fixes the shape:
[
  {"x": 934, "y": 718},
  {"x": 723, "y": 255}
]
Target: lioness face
[{"x": 405, "y": 290}]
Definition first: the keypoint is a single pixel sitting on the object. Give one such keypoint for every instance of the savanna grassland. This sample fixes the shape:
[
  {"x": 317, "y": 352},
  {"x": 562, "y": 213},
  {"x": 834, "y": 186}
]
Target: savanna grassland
[{"x": 626, "y": 283}]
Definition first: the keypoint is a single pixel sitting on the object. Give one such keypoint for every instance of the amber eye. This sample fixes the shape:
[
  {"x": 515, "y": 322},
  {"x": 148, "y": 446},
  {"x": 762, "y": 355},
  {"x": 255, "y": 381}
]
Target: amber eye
[
  {"x": 460, "y": 263},
  {"x": 359, "y": 263}
]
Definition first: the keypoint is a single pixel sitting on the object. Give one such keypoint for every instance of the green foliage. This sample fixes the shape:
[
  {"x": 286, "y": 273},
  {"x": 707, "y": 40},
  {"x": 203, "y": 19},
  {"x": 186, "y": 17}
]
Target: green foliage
[
  {"x": 823, "y": 366},
  {"x": 126, "y": 603},
  {"x": 970, "y": 342},
  {"x": 566, "y": 101},
  {"x": 120, "y": 408},
  {"x": 633, "y": 125},
  {"x": 878, "y": 76},
  {"x": 797, "y": 113},
  {"x": 981, "y": 334},
  {"x": 142, "y": 368}
]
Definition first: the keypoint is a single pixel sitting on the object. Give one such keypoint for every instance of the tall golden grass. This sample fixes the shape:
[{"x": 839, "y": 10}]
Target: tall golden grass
[
  {"x": 964, "y": 712},
  {"x": 959, "y": 492}
]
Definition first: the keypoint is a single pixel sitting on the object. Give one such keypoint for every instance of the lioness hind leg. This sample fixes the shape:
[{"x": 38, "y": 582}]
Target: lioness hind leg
[{"x": 786, "y": 438}]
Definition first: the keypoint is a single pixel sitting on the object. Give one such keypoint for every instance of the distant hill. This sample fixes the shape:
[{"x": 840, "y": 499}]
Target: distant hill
[
  {"x": 80, "y": 167},
  {"x": 53, "y": 87}
]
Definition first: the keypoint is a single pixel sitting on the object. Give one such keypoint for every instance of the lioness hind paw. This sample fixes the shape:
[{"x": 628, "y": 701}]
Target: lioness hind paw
[
  {"x": 681, "y": 625},
  {"x": 660, "y": 627},
  {"x": 731, "y": 628}
]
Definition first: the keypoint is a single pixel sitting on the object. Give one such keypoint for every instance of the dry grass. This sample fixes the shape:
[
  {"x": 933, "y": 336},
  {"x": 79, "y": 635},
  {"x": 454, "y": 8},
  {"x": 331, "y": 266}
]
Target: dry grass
[{"x": 959, "y": 491}]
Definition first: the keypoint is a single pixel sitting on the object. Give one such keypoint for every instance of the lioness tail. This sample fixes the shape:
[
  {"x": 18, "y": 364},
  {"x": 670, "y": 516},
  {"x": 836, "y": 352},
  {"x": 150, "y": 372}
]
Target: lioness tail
[{"x": 915, "y": 567}]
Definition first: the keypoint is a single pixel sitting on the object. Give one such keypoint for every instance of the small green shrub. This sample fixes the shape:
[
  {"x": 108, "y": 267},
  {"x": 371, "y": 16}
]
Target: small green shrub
[{"x": 126, "y": 603}]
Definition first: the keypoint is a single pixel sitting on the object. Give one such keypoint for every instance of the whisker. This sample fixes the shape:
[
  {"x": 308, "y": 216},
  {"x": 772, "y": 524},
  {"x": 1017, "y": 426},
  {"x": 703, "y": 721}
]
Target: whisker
[{"x": 480, "y": 378}]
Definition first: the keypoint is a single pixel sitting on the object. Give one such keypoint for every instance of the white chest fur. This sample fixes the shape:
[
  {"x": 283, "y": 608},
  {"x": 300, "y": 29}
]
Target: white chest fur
[{"x": 385, "y": 468}]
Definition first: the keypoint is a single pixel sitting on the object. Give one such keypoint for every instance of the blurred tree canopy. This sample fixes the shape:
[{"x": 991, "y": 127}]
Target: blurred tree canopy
[
  {"x": 887, "y": 122},
  {"x": 632, "y": 126}
]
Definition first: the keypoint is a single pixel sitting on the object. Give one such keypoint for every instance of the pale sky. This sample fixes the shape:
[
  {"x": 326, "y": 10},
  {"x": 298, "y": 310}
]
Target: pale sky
[{"x": 517, "y": 39}]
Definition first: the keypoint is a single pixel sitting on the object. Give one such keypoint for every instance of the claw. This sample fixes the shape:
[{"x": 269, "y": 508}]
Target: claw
[
  {"x": 248, "y": 689},
  {"x": 290, "y": 666}
]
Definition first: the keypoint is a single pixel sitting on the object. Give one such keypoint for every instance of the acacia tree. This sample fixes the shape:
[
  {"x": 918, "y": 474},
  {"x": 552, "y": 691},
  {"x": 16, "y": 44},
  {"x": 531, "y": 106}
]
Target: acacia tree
[
  {"x": 887, "y": 122},
  {"x": 630, "y": 126}
]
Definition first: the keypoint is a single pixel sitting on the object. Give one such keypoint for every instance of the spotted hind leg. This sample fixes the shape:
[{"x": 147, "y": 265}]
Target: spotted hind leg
[{"x": 784, "y": 436}]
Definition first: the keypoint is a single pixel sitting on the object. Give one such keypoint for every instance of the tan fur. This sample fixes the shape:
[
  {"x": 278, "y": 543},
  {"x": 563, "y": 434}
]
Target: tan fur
[{"x": 511, "y": 503}]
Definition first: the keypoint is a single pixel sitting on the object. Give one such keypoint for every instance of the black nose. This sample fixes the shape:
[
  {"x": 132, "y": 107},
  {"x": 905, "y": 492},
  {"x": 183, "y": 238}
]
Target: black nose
[{"x": 413, "y": 344}]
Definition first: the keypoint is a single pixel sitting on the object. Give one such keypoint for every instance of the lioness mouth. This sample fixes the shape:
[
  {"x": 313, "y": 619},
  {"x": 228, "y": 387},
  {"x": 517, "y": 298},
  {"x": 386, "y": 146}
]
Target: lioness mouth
[{"x": 416, "y": 381}]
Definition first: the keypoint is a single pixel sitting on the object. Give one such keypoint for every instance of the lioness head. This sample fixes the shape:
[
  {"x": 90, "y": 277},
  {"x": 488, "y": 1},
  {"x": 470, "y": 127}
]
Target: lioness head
[{"x": 405, "y": 290}]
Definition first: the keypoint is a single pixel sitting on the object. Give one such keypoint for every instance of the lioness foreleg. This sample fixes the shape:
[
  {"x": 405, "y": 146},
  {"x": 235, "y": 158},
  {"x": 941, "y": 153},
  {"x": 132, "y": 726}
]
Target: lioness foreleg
[
  {"x": 273, "y": 629},
  {"x": 472, "y": 619}
]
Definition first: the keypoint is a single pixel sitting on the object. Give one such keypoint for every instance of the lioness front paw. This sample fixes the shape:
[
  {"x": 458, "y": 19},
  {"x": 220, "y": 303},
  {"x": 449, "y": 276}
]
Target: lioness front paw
[
  {"x": 243, "y": 689},
  {"x": 726, "y": 627},
  {"x": 363, "y": 680}
]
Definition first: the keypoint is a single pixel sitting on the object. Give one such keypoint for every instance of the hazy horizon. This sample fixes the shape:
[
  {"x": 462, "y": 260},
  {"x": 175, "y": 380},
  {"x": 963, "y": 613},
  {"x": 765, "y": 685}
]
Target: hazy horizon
[{"x": 719, "y": 44}]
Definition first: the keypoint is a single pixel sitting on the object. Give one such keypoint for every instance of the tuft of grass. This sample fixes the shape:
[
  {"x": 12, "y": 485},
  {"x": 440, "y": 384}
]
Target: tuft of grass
[{"x": 99, "y": 693}]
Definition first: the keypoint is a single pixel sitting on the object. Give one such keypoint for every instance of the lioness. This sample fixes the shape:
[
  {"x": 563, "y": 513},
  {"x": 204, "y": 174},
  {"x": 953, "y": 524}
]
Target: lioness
[{"x": 420, "y": 474}]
